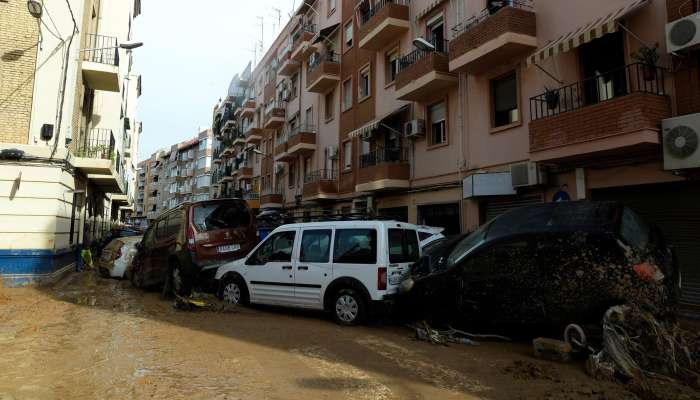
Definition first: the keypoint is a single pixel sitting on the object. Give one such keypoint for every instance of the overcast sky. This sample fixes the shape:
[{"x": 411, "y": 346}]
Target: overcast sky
[{"x": 191, "y": 51}]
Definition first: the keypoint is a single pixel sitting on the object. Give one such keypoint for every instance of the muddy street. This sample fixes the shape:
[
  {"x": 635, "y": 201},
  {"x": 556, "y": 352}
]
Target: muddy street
[{"x": 88, "y": 337}]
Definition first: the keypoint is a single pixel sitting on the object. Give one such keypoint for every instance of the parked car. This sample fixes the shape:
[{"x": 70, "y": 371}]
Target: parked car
[
  {"x": 183, "y": 246},
  {"x": 350, "y": 268},
  {"x": 429, "y": 234},
  {"x": 117, "y": 256},
  {"x": 548, "y": 264},
  {"x": 99, "y": 245}
]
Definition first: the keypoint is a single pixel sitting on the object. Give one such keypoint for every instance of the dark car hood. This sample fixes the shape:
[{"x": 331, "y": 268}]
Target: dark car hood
[{"x": 435, "y": 260}]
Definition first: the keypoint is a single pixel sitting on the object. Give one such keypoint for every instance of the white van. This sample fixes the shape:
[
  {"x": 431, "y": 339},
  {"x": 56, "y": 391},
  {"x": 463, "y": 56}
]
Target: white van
[{"x": 349, "y": 268}]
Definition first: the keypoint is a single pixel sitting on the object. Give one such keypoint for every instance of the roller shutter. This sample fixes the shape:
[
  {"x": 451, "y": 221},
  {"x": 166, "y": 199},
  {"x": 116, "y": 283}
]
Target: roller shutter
[{"x": 492, "y": 208}]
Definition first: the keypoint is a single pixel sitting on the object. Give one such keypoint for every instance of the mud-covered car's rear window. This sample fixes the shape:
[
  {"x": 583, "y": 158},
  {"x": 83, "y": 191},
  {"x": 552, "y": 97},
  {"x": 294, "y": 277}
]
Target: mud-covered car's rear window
[
  {"x": 633, "y": 229},
  {"x": 214, "y": 216}
]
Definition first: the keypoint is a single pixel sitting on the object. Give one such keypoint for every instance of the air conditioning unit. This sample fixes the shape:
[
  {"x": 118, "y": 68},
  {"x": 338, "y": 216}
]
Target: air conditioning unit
[
  {"x": 683, "y": 33},
  {"x": 527, "y": 174},
  {"x": 333, "y": 152},
  {"x": 414, "y": 128},
  {"x": 680, "y": 142}
]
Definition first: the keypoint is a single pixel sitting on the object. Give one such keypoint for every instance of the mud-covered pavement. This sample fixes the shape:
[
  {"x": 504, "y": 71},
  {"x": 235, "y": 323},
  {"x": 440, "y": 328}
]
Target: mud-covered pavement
[{"x": 87, "y": 337}]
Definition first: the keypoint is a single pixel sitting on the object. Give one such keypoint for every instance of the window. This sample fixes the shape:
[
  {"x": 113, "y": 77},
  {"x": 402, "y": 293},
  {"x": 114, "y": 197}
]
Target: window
[
  {"x": 175, "y": 222},
  {"x": 347, "y": 155},
  {"x": 295, "y": 86},
  {"x": 203, "y": 181},
  {"x": 364, "y": 83},
  {"x": 226, "y": 215},
  {"x": 438, "y": 125},
  {"x": 436, "y": 32},
  {"x": 355, "y": 246},
  {"x": 315, "y": 246},
  {"x": 309, "y": 117},
  {"x": 202, "y": 163},
  {"x": 347, "y": 94},
  {"x": 504, "y": 97},
  {"x": 392, "y": 65},
  {"x": 328, "y": 105},
  {"x": 202, "y": 144},
  {"x": 292, "y": 173},
  {"x": 173, "y": 187},
  {"x": 348, "y": 35},
  {"x": 403, "y": 246},
  {"x": 277, "y": 248}
]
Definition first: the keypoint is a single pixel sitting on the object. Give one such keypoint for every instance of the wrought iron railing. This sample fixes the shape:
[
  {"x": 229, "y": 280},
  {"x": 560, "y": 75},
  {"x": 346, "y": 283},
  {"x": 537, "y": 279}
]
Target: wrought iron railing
[
  {"x": 441, "y": 46},
  {"x": 99, "y": 144},
  {"x": 366, "y": 15},
  {"x": 321, "y": 175},
  {"x": 101, "y": 49},
  {"x": 384, "y": 155},
  {"x": 492, "y": 8},
  {"x": 311, "y": 28},
  {"x": 321, "y": 58},
  {"x": 632, "y": 78}
]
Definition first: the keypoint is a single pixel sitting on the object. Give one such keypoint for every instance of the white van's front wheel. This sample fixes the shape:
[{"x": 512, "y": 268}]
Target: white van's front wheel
[
  {"x": 233, "y": 291},
  {"x": 349, "y": 307}
]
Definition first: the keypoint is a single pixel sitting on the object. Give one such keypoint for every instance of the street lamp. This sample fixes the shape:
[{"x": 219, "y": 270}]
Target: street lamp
[
  {"x": 35, "y": 8},
  {"x": 130, "y": 45},
  {"x": 423, "y": 44}
]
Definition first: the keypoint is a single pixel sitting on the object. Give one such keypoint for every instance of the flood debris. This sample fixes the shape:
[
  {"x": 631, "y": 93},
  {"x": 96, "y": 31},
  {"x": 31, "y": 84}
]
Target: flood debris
[
  {"x": 525, "y": 370},
  {"x": 202, "y": 301},
  {"x": 445, "y": 337},
  {"x": 551, "y": 349},
  {"x": 644, "y": 350}
]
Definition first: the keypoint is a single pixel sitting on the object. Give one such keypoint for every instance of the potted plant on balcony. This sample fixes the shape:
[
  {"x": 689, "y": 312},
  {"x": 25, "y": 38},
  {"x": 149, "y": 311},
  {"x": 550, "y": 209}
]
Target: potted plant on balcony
[
  {"x": 551, "y": 97},
  {"x": 647, "y": 57}
]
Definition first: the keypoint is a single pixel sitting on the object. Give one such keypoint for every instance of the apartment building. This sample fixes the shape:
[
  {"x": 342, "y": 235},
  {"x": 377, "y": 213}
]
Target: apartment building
[
  {"x": 449, "y": 113},
  {"x": 170, "y": 177},
  {"x": 68, "y": 130}
]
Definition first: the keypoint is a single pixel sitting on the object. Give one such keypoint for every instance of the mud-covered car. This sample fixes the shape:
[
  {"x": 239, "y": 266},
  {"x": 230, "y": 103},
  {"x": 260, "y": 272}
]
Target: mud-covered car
[
  {"x": 117, "y": 256},
  {"x": 549, "y": 264}
]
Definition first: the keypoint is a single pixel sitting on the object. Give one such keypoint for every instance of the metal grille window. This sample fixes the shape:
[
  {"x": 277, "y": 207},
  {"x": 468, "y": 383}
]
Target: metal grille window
[
  {"x": 347, "y": 94},
  {"x": 392, "y": 65},
  {"x": 347, "y": 155},
  {"x": 438, "y": 125},
  {"x": 348, "y": 35},
  {"x": 364, "y": 84}
]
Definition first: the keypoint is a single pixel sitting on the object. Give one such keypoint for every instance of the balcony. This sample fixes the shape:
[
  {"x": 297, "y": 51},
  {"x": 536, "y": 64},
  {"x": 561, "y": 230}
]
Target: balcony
[
  {"x": 423, "y": 74},
  {"x": 227, "y": 174},
  {"x": 248, "y": 109},
  {"x": 280, "y": 152},
  {"x": 271, "y": 198},
  {"x": 253, "y": 135},
  {"x": 288, "y": 66},
  {"x": 274, "y": 116},
  {"x": 494, "y": 37},
  {"x": 301, "y": 42},
  {"x": 100, "y": 64},
  {"x": 611, "y": 119},
  {"x": 383, "y": 169},
  {"x": 321, "y": 185},
  {"x": 323, "y": 73},
  {"x": 301, "y": 140},
  {"x": 252, "y": 198},
  {"x": 96, "y": 157},
  {"x": 383, "y": 23},
  {"x": 245, "y": 172}
]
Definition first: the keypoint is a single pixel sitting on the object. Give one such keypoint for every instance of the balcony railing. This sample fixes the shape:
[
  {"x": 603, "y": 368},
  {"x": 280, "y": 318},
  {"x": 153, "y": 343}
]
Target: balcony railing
[
  {"x": 305, "y": 128},
  {"x": 101, "y": 49},
  {"x": 384, "y": 155},
  {"x": 486, "y": 13},
  {"x": 310, "y": 28},
  {"x": 99, "y": 144},
  {"x": 633, "y": 78},
  {"x": 378, "y": 6},
  {"x": 321, "y": 175},
  {"x": 405, "y": 62},
  {"x": 323, "y": 57}
]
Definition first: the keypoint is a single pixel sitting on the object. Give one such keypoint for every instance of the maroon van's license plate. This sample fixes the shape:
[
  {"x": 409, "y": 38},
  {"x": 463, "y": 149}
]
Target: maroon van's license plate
[{"x": 229, "y": 248}]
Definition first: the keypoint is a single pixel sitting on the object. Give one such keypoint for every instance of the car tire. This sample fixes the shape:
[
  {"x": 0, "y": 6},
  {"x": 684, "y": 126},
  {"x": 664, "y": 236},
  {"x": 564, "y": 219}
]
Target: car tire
[
  {"x": 133, "y": 276},
  {"x": 233, "y": 290},
  {"x": 175, "y": 282},
  {"x": 349, "y": 307}
]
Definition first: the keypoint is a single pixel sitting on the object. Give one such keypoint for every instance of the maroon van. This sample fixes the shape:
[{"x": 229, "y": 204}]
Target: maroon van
[{"x": 186, "y": 244}]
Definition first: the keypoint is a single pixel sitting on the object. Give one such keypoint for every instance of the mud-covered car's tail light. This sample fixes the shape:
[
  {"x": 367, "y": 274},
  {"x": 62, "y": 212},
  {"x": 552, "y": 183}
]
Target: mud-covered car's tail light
[
  {"x": 190, "y": 238},
  {"x": 648, "y": 272},
  {"x": 381, "y": 278}
]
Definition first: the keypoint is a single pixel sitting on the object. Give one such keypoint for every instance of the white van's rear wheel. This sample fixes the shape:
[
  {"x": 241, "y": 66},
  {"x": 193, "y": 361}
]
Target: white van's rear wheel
[{"x": 349, "y": 307}]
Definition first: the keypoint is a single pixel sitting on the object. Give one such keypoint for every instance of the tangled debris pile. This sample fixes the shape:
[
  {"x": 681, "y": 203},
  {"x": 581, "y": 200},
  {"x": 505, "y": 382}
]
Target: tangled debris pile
[
  {"x": 640, "y": 348},
  {"x": 445, "y": 337},
  {"x": 202, "y": 301}
]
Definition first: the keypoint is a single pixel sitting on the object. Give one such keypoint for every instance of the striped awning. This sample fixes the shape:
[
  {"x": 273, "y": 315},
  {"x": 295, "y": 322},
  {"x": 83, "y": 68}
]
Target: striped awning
[
  {"x": 586, "y": 33},
  {"x": 374, "y": 124}
]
